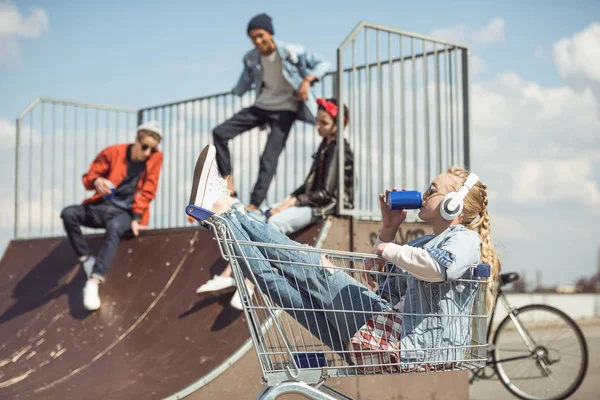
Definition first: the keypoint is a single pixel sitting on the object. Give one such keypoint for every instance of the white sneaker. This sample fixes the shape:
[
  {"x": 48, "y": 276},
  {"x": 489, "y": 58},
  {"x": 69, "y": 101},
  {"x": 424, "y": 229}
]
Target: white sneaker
[
  {"x": 208, "y": 184},
  {"x": 215, "y": 284},
  {"x": 91, "y": 300},
  {"x": 236, "y": 300}
]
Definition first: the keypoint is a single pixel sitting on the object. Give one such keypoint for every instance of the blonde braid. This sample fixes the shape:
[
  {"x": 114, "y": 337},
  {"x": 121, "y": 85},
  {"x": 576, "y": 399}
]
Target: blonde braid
[{"x": 488, "y": 253}]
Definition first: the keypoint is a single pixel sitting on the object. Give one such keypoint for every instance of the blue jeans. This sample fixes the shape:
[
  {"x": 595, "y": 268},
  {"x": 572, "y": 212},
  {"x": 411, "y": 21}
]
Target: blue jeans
[
  {"x": 106, "y": 215},
  {"x": 292, "y": 219},
  {"x": 343, "y": 304}
]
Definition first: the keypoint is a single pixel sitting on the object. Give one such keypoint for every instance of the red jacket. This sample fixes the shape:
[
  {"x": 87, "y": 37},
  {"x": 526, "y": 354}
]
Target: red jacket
[{"x": 111, "y": 164}]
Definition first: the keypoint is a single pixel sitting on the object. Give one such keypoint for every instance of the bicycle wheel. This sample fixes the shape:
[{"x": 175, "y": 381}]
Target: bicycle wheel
[{"x": 557, "y": 362}]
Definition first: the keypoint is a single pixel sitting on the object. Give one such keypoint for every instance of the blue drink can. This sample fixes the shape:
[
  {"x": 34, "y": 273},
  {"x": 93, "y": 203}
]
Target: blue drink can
[
  {"x": 112, "y": 193},
  {"x": 407, "y": 200}
]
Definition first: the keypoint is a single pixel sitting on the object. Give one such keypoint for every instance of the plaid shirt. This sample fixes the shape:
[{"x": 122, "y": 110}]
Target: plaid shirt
[{"x": 375, "y": 347}]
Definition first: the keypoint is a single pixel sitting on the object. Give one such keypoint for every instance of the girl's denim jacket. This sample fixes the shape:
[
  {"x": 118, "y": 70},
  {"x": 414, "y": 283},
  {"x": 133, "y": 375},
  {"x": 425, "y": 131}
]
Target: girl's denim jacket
[
  {"x": 297, "y": 64},
  {"x": 436, "y": 315}
]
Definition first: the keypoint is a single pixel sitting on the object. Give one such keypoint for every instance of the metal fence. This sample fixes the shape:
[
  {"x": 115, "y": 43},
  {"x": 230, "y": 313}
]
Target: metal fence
[
  {"x": 55, "y": 142},
  {"x": 187, "y": 127},
  {"x": 408, "y": 101}
]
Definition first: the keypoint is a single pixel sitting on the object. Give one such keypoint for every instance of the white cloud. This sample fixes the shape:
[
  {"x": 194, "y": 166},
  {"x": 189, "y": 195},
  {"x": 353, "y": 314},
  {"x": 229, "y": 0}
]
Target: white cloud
[
  {"x": 7, "y": 134},
  {"x": 569, "y": 181},
  {"x": 15, "y": 27},
  {"x": 508, "y": 226},
  {"x": 492, "y": 32},
  {"x": 477, "y": 65},
  {"x": 578, "y": 57}
]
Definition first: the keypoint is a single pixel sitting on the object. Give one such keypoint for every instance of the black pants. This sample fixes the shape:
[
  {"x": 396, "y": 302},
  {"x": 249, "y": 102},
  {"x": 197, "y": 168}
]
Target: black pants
[
  {"x": 280, "y": 123},
  {"x": 106, "y": 215}
]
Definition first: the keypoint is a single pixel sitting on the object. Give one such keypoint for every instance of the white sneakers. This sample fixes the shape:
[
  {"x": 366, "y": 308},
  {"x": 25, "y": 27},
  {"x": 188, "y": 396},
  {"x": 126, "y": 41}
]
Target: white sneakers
[
  {"x": 91, "y": 300},
  {"x": 208, "y": 184},
  {"x": 216, "y": 284}
]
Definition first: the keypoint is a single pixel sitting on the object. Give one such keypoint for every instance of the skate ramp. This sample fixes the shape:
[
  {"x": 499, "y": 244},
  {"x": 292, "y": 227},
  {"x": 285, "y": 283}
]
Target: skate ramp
[{"x": 152, "y": 338}]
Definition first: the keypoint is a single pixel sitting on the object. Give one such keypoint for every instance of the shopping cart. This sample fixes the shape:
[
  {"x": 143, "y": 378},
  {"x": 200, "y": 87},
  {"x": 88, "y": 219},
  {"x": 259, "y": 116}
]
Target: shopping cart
[{"x": 292, "y": 360}]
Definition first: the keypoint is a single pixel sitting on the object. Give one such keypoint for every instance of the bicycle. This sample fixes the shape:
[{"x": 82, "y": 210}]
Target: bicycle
[{"x": 519, "y": 345}]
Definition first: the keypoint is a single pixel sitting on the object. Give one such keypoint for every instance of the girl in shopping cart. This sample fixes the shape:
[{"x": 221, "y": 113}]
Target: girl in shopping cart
[{"x": 420, "y": 318}]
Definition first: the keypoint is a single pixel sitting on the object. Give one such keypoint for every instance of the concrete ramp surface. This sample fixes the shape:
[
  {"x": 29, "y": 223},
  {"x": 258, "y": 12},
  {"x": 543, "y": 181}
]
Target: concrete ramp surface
[{"x": 152, "y": 338}]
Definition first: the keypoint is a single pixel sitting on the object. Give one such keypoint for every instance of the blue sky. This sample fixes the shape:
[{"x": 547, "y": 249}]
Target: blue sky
[{"x": 135, "y": 54}]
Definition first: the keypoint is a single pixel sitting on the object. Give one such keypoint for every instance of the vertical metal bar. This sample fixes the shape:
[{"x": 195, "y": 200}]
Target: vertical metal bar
[
  {"x": 466, "y": 114},
  {"x": 414, "y": 109},
  {"x": 354, "y": 106},
  {"x": 164, "y": 192},
  {"x": 447, "y": 96},
  {"x": 380, "y": 169},
  {"x": 173, "y": 157},
  {"x": 403, "y": 115},
  {"x": 392, "y": 153},
  {"x": 97, "y": 126},
  {"x": 17, "y": 170},
  {"x": 186, "y": 156},
  {"x": 438, "y": 109},
  {"x": 75, "y": 151},
  {"x": 85, "y": 135},
  {"x": 42, "y": 171},
  {"x": 340, "y": 125},
  {"x": 427, "y": 148},
  {"x": 64, "y": 156},
  {"x": 30, "y": 171},
  {"x": 456, "y": 133},
  {"x": 106, "y": 128},
  {"x": 359, "y": 149},
  {"x": 451, "y": 106},
  {"x": 118, "y": 133},
  {"x": 52, "y": 162},
  {"x": 369, "y": 175}
]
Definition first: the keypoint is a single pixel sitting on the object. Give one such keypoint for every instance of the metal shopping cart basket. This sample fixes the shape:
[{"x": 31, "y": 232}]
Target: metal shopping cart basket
[{"x": 292, "y": 360}]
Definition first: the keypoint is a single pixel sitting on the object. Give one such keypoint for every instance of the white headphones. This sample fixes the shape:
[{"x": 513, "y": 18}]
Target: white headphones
[{"x": 452, "y": 205}]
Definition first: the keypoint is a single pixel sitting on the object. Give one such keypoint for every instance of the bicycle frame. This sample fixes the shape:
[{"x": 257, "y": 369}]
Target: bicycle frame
[{"x": 512, "y": 312}]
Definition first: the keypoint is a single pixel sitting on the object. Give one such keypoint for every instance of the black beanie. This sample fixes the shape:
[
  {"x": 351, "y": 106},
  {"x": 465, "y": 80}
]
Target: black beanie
[{"x": 261, "y": 21}]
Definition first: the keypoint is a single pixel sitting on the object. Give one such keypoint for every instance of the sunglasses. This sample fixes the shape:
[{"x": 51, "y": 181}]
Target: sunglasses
[
  {"x": 431, "y": 190},
  {"x": 146, "y": 147}
]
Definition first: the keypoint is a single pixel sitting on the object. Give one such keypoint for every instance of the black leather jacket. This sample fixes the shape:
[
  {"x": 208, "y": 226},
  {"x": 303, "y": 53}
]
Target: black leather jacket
[{"x": 320, "y": 188}]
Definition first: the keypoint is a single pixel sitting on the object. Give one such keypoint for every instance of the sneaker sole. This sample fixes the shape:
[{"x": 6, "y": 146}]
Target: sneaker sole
[{"x": 201, "y": 174}]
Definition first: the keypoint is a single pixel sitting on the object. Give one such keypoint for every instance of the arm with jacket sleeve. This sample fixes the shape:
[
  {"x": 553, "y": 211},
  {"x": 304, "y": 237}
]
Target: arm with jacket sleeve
[
  {"x": 245, "y": 80},
  {"x": 148, "y": 190},
  {"x": 327, "y": 198},
  {"x": 446, "y": 262},
  {"x": 99, "y": 168},
  {"x": 315, "y": 65}
]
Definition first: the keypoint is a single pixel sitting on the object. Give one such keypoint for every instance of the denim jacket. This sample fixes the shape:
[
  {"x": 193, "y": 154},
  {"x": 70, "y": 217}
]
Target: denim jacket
[
  {"x": 297, "y": 64},
  {"x": 435, "y": 315}
]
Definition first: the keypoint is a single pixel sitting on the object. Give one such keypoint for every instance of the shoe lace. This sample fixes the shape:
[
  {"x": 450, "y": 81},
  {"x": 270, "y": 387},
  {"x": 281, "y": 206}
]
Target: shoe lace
[{"x": 221, "y": 184}]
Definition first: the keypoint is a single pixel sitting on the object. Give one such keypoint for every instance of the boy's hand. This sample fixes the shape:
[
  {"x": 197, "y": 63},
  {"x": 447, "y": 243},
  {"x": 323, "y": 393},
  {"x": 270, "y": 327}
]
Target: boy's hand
[
  {"x": 103, "y": 186},
  {"x": 136, "y": 227}
]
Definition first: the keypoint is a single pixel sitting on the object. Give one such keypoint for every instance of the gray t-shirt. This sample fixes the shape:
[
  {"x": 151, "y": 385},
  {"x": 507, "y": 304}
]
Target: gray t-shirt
[{"x": 276, "y": 94}]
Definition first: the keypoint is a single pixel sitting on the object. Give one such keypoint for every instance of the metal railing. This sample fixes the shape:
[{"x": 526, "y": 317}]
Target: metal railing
[
  {"x": 409, "y": 104},
  {"x": 408, "y": 101},
  {"x": 188, "y": 126},
  {"x": 56, "y": 141}
]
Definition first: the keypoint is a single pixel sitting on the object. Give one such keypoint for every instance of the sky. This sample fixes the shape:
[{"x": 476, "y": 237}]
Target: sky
[{"x": 535, "y": 91}]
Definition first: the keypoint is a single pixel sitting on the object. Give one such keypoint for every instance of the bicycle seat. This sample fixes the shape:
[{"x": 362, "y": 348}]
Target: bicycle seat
[{"x": 509, "y": 277}]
